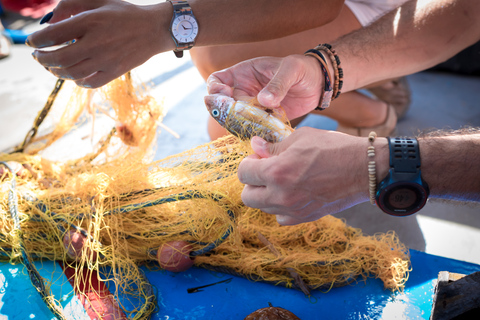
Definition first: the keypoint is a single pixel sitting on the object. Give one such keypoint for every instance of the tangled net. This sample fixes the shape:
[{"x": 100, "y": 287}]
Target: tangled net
[{"x": 124, "y": 207}]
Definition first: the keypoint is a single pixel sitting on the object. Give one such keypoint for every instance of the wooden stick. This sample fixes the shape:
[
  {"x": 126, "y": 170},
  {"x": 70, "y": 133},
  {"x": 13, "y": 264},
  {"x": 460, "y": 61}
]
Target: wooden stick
[{"x": 296, "y": 277}]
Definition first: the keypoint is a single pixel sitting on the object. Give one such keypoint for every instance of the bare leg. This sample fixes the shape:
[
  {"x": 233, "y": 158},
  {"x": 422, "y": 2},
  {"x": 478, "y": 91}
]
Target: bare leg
[
  {"x": 351, "y": 109},
  {"x": 355, "y": 109}
]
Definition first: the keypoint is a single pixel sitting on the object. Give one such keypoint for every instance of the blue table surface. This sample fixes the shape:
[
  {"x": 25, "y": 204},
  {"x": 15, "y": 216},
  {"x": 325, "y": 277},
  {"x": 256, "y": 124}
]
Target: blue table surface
[{"x": 239, "y": 297}]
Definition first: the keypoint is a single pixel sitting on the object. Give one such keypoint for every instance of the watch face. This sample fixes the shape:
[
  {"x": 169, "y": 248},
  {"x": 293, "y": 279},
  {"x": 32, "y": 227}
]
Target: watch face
[
  {"x": 185, "y": 28},
  {"x": 402, "y": 198}
]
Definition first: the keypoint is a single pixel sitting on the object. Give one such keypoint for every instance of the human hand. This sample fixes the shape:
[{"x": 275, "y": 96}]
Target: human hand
[
  {"x": 111, "y": 38},
  {"x": 310, "y": 174},
  {"x": 294, "y": 82}
]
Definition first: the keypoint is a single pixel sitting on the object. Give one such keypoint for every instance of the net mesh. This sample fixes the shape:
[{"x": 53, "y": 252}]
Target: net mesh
[{"x": 108, "y": 212}]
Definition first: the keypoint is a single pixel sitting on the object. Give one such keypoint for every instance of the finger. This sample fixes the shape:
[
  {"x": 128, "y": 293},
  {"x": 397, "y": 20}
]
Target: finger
[
  {"x": 77, "y": 72},
  {"x": 96, "y": 80},
  {"x": 260, "y": 147},
  {"x": 266, "y": 149},
  {"x": 253, "y": 156},
  {"x": 277, "y": 88},
  {"x": 65, "y": 57},
  {"x": 285, "y": 220},
  {"x": 216, "y": 86},
  {"x": 251, "y": 171},
  {"x": 57, "y": 34},
  {"x": 255, "y": 197}
]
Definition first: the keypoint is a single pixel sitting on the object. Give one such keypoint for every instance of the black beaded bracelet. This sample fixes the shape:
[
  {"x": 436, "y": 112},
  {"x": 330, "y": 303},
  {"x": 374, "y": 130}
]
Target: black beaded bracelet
[
  {"x": 326, "y": 96},
  {"x": 338, "y": 84}
]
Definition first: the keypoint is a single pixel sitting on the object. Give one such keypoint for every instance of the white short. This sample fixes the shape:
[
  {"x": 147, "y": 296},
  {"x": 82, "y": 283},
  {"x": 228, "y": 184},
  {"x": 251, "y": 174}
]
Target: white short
[{"x": 368, "y": 11}]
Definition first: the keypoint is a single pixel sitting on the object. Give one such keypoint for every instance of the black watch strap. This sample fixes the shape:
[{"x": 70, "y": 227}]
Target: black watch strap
[
  {"x": 403, "y": 191},
  {"x": 404, "y": 154}
]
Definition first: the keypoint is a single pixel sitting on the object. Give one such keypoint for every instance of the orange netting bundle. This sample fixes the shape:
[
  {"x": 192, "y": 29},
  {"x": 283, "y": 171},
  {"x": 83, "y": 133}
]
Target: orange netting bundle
[{"x": 113, "y": 208}]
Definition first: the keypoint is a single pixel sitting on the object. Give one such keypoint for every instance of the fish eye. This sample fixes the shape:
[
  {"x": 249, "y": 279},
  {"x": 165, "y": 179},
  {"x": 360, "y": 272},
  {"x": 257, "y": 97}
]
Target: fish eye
[{"x": 215, "y": 113}]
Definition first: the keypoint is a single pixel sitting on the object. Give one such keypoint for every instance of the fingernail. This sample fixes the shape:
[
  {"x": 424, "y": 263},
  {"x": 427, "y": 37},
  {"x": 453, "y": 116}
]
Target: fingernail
[
  {"x": 259, "y": 142},
  {"x": 34, "y": 55},
  {"x": 265, "y": 97},
  {"x": 282, "y": 219},
  {"x": 267, "y": 94},
  {"x": 46, "y": 17},
  {"x": 27, "y": 42}
]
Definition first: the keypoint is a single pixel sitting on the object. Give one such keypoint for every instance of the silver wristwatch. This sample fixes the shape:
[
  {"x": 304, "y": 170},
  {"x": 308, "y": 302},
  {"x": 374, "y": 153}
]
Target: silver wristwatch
[{"x": 184, "y": 27}]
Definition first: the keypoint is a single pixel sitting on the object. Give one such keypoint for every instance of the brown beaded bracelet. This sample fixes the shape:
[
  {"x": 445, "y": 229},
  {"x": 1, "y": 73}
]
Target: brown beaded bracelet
[
  {"x": 327, "y": 93},
  {"x": 338, "y": 84}
]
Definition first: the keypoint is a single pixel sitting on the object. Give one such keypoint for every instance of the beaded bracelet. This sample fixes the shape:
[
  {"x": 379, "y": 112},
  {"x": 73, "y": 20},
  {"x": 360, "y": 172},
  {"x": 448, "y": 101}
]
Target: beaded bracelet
[
  {"x": 326, "y": 96},
  {"x": 372, "y": 170},
  {"x": 337, "y": 87}
]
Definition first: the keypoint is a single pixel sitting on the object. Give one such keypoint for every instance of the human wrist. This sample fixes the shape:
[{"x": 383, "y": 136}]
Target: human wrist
[
  {"x": 332, "y": 73},
  {"x": 160, "y": 16},
  {"x": 375, "y": 152},
  {"x": 382, "y": 158},
  {"x": 326, "y": 90},
  {"x": 449, "y": 164}
]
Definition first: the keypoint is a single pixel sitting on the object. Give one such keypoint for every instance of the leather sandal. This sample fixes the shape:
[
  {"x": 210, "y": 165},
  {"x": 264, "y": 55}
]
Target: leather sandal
[
  {"x": 387, "y": 128},
  {"x": 399, "y": 96}
]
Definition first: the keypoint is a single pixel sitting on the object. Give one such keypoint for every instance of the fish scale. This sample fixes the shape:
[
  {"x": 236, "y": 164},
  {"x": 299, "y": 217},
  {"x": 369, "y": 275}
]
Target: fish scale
[{"x": 244, "y": 120}]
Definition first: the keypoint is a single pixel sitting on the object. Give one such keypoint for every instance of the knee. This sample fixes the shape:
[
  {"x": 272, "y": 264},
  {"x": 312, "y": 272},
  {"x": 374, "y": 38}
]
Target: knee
[
  {"x": 210, "y": 59},
  {"x": 205, "y": 60}
]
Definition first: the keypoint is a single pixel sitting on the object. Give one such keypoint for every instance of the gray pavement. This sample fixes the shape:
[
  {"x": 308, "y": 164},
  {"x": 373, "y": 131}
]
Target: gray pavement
[{"x": 440, "y": 100}]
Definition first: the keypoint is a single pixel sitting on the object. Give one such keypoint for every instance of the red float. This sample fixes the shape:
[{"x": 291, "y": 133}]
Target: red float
[{"x": 175, "y": 256}]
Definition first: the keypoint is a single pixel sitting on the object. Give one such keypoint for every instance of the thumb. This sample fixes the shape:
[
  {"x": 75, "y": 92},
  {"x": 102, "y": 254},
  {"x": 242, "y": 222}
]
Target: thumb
[
  {"x": 269, "y": 99},
  {"x": 278, "y": 87},
  {"x": 266, "y": 149},
  {"x": 216, "y": 85},
  {"x": 260, "y": 147},
  {"x": 284, "y": 220}
]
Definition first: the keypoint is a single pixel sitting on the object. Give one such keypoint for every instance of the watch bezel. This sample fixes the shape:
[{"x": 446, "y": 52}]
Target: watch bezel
[
  {"x": 181, "y": 8},
  {"x": 180, "y": 39},
  {"x": 385, "y": 190},
  {"x": 404, "y": 173}
]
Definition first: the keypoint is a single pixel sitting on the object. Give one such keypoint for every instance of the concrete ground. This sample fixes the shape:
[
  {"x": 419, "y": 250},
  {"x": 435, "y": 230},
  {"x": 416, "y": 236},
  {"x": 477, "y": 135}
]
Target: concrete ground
[{"x": 439, "y": 100}]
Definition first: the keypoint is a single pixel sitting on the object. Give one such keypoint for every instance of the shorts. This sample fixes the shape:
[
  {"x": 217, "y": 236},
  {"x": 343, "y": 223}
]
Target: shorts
[{"x": 367, "y": 11}]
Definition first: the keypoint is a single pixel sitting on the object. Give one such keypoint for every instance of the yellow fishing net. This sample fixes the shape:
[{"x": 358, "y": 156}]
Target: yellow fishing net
[{"x": 125, "y": 207}]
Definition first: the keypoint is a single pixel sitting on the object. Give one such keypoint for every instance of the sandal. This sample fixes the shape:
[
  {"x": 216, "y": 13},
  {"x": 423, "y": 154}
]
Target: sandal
[
  {"x": 395, "y": 93},
  {"x": 387, "y": 128}
]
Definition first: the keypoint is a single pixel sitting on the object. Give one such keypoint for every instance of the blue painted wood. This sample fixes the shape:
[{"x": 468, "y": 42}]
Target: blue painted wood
[
  {"x": 239, "y": 297},
  {"x": 364, "y": 300},
  {"x": 20, "y": 300}
]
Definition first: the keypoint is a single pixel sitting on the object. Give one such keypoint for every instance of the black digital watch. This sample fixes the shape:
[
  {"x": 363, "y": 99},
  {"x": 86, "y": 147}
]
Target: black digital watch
[{"x": 403, "y": 192}]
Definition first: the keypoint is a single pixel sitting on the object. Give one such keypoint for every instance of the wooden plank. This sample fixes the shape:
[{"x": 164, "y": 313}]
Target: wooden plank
[{"x": 456, "y": 295}]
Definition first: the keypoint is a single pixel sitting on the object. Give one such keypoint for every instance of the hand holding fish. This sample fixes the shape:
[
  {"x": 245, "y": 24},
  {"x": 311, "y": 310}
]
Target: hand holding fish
[
  {"x": 310, "y": 174},
  {"x": 294, "y": 82}
]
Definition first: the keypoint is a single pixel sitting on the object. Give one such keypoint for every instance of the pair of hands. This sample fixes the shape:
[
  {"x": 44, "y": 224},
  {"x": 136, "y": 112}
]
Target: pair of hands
[
  {"x": 296, "y": 179},
  {"x": 310, "y": 174},
  {"x": 111, "y": 38}
]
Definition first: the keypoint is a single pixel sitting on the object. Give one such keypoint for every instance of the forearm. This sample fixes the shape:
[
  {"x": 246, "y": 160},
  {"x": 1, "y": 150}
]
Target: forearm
[
  {"x": 238, "y": 21},
  {"x": 418, "y": 35},
  {"x": 241, "y": 21},
  {"x": 450, "y": 165}
]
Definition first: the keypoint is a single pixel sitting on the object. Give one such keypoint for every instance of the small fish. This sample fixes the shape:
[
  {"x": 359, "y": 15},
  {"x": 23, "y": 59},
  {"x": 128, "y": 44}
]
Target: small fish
[{"x": 247, "y": 119}]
